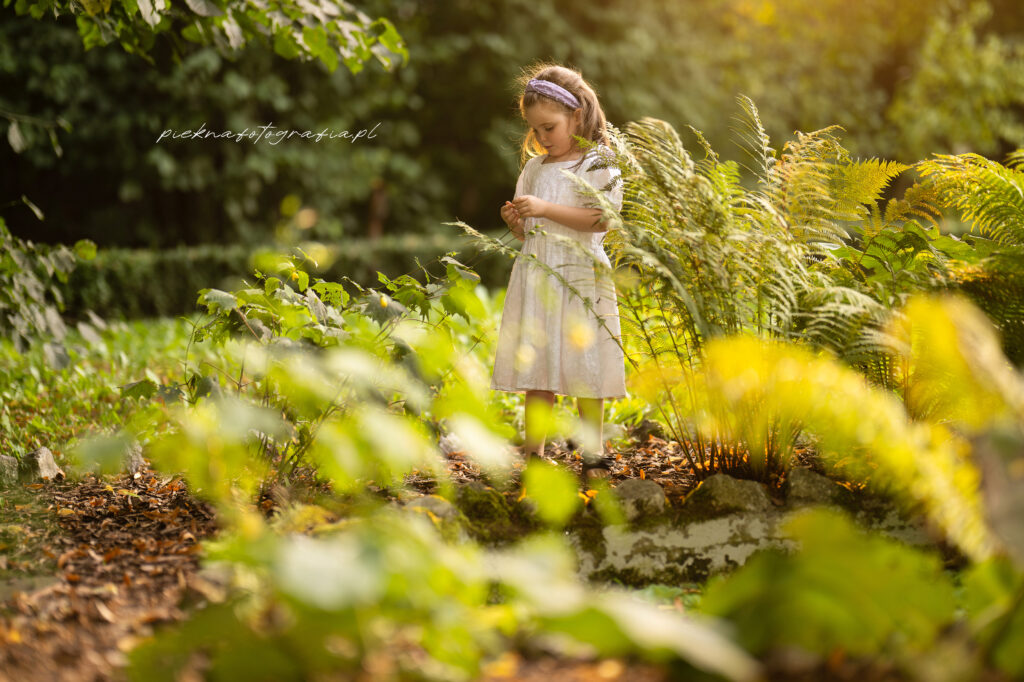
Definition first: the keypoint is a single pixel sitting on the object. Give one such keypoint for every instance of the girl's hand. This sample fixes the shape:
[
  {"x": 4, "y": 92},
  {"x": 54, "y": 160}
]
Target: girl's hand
[
  {"x": 512, "y": 218},
  {"x": 510, "y": 215},
  {"x": 530, "y": 206}
]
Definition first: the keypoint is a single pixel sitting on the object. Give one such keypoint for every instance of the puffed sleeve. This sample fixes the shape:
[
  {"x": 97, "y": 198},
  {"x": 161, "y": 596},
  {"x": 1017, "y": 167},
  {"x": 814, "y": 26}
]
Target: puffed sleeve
[
  {"x": 523, "y": 187},
  {"x": 521, "y": 183},
  {"x": 606, "y": 178}
]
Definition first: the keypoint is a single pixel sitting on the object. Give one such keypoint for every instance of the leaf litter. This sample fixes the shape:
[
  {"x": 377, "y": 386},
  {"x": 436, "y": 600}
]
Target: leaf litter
[{"x": 126, "y": 553}]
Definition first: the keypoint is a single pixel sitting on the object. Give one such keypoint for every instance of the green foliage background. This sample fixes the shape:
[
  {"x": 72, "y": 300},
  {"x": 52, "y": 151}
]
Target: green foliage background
[
  {"x": 906, "y": 79},
  {"x": 809, "y": 323}
]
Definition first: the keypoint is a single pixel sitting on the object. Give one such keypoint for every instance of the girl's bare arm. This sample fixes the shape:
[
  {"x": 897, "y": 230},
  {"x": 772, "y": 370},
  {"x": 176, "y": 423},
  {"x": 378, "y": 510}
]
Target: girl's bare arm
[{"x": 576, "y": 217}]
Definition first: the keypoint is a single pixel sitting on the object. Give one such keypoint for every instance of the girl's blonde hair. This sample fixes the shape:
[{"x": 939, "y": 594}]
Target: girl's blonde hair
[{"x": 592, "y": 120}]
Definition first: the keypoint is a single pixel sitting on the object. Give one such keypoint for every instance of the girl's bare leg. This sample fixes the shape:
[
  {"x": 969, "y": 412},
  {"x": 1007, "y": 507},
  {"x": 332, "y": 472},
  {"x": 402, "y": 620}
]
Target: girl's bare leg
[
  {"x": 538, "y": 407},
  {"x": 592, "y": 415}
]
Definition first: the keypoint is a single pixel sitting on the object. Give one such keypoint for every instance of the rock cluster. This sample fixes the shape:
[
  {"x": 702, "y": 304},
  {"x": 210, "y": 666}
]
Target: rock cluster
[
  {"x": 39, "y": 465},
  {"x": 722, "y": 522},
  {"x": 720, "y": 525},
  {"x": 33, "y": 466}
]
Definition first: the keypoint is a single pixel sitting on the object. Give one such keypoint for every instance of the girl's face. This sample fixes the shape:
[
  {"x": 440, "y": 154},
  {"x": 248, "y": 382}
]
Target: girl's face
[{"x": 553, "y": 128}]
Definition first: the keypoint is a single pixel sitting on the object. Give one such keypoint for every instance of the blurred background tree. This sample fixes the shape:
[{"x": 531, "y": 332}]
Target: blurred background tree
[{"x": 905, "y": 79}]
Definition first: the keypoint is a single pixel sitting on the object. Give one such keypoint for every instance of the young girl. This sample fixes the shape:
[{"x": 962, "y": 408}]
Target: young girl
[{"x": 549, "y": 342}]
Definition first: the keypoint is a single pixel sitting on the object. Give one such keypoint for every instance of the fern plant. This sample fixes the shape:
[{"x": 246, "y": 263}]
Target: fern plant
[
  {"x": 989, "y": 196},
  {"x": 808, "y": 254}
]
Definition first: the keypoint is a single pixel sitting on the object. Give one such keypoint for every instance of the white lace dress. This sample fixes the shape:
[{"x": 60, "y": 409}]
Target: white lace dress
[{"x": 548, "y": 340}]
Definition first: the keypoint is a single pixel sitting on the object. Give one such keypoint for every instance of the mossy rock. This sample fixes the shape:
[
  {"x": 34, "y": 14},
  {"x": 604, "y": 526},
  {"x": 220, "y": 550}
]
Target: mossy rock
[
  {"x": 641, "y": 498},
  {"x": 488, "y": 513},
  {"x": 299, "y": 517},
  {"x": 722, "y": 494},
  {"x": 807, "y": 488},
  {"x": 449, "y": 521},
  {"x": 588, "y": 533},
  {"x": 8, "y": 471}
]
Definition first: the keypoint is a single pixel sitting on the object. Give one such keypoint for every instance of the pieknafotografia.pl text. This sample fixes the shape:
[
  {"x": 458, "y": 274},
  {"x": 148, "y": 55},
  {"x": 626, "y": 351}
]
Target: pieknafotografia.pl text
[{"x": 269, "y": 133}]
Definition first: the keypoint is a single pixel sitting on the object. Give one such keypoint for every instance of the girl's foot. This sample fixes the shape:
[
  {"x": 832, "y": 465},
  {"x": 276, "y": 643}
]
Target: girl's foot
[
  {"x": 597, "y": 467},
  {"x": 527, "y": 456}
]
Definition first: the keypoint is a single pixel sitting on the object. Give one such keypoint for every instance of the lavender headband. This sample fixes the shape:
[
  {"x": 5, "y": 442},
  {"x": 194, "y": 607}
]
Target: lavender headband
[{"x": 554, "y": 91}]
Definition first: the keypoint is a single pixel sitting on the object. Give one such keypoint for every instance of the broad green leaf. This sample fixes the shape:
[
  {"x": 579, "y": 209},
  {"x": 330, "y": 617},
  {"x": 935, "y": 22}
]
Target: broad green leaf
[
  {"x": 15, "y": 138},
  {"x": 215, "y": 298},
  {"x": 285, "y": 44},
  {"x": 204, "y": 8},
  {"x": 992, "y": 592},
  {"x": 828, "y": 596},
  {"x": 553, "y": 489},
  {"x": 144, "y": 388},
  {"x": 85, "y": 249}
]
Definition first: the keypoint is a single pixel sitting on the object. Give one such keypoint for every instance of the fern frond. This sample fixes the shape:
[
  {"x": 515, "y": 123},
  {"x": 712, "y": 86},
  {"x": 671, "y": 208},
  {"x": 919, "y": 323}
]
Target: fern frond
[
  {"x": 1015, "y": 159},
  {"x": 986, "y": 193},
  {"x": 921, "y": 200},
  {"x": 856, "y": 185},
  {"x": 754, "y": 141}
]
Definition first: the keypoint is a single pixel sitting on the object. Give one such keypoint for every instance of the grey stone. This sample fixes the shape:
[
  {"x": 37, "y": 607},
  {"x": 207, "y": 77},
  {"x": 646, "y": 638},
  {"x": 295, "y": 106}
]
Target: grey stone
[
  {"x": 133, "y": 460},
  {"x": 641, "y": 498},
  {"x": 646, "y": 428},
  {"x": 8, "y": 471},
  {"x": 39, "y": 464},
  {"x": 450, "y": 444},
  {"x": 887, "y": 519},
  {"x": 436, "y": 505},
  {"x": 722, "y": 494},
  {"x": 805, "y": 487},
  {"x": 672, "y": 554}
]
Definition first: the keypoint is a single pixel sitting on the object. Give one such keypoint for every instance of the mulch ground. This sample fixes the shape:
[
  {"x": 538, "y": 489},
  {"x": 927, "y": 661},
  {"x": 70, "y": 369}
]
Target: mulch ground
[
  {"x": 125, "y": 557},
  {"x": 659, "y": 460},
  {"x": 655, "y": 459},
  {"x": 126, "y": 554}
]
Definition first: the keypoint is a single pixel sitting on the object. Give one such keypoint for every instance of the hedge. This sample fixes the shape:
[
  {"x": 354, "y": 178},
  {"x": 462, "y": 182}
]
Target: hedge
[{"x": 139, "y": 283}]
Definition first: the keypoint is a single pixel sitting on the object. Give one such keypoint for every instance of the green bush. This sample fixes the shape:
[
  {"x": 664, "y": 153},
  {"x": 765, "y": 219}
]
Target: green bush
[
  {"x": 30, "y": 295},
  {"x": 137, "y": 283}
]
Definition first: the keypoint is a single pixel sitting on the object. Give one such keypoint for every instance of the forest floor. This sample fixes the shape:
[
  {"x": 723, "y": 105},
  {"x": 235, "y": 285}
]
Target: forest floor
[
  {"x": 658, "y": 460},
  {"x": 90, "y": 568}
]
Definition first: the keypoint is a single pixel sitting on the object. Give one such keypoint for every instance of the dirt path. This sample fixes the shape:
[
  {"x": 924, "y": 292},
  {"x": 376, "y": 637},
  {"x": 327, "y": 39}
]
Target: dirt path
[{"x": 126, "y": 556}]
